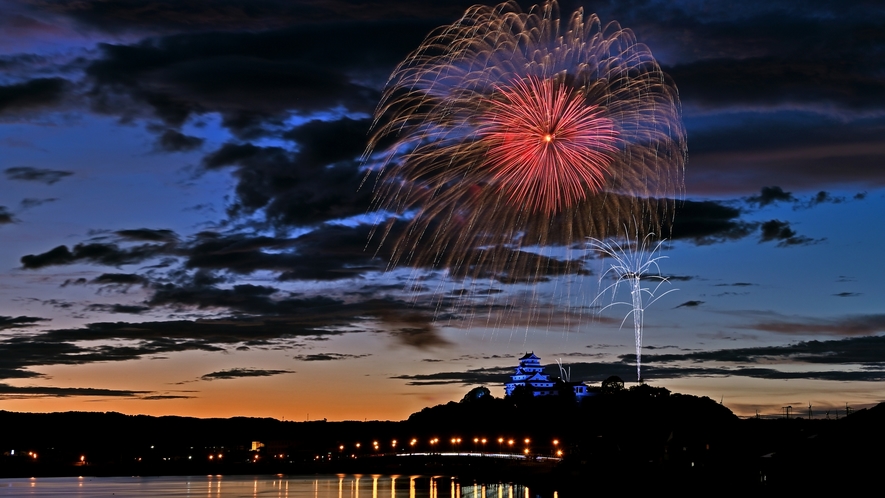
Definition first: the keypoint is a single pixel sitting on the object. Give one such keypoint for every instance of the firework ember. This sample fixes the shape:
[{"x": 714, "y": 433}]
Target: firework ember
[{"x": 509, "y": 130}]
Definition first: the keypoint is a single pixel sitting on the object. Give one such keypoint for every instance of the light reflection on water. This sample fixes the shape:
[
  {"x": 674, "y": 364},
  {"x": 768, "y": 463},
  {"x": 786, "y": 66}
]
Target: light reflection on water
[{"x": 341, "y": 486}]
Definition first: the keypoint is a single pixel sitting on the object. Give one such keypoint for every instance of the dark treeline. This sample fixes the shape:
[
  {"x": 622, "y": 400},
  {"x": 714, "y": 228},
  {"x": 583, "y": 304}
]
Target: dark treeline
[{"x": 644, "y": 435}]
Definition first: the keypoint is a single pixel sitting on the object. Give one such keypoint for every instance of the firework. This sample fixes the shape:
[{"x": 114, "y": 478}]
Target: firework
[
  {"x": 511, "y": 130},
  {"x": 632, "y": 262}
]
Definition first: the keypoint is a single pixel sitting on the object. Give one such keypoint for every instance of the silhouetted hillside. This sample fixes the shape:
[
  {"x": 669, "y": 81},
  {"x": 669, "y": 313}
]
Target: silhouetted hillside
[{"x": 670, "y": 439}]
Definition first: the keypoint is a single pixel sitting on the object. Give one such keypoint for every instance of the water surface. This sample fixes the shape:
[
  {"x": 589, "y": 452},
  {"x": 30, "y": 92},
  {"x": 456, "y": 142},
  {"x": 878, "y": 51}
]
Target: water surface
[{"x": 341, "y": 486}]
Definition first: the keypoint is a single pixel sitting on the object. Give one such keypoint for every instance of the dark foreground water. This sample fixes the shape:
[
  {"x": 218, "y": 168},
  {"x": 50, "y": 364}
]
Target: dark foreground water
[{"x": 342, "y": 486}]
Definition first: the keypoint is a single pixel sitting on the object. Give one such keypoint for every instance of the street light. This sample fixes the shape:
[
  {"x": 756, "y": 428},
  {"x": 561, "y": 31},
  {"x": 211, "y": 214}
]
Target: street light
[{"x": 455, "y": 440}]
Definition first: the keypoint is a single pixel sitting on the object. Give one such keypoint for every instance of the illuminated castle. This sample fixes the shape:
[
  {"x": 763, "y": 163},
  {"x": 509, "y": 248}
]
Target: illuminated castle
[{"x": 530, "y": 375}]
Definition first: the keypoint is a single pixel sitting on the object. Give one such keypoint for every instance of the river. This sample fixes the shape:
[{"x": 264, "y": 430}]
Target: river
[{"x": 340, "y": 486}]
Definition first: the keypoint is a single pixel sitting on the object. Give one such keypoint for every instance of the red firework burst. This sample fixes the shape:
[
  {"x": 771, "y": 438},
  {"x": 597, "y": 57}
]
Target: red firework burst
[{"x": 547, "y": 149}]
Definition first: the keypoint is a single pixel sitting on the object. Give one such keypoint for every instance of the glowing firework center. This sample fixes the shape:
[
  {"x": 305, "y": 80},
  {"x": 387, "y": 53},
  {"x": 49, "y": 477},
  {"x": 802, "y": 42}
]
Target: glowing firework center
[{"x": 546, "y": 147}]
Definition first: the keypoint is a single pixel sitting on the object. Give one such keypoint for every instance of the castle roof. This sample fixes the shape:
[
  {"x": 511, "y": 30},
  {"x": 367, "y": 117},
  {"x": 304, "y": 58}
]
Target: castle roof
[{"x": 530, "y": 356}]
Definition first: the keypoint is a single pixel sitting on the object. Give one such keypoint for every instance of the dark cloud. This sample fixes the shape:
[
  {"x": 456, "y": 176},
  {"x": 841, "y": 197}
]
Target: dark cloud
[
  {"x": 31, "y": 174},
  {"x": 330, "y": 252},
  {"x": 707, "y": 222},
  {"x": 175, "y": 141},
  {"x": 680, "y": 278},
  {"x": 771, "y": 195},
  {"x": 148, "y": 235},
  {"x": 118, "y": 308},
  {"x": 411, "y": 327},
  {"x": 118, "y": 279},
  {"x": 31, "y": 203},
  {"x": 7, "y": 391},
  {"x": 861, "y": 350},
  {"x": 33, "y": 94},
  {"x": 255, "y": 299},
  {"x": 318, "y": 183},
  {"x": 116, "y": 16},
  {"x": 5, "y": 216},
  {"x": 781, "y": 232},
  {"x": 10, "y": 322},
  {"x": 253, "y": 79},
  {"x": 485, "y": 376},
  {"x": 823, "y": 197},
  {"x": 690, "y": 304},
  {"x": 95, "y": 253},
  {"x": 849, "y": 325},
  {"x": 777, "y": 81},
  {"x": 238, "y": 373},
  {"x": 123, "y": 341},
  {"x": 847, "y": 294},
  {"x": 154, "y": 397},
  {"x": 776, "y": 230},
  {"x": 328, "y": 356}
]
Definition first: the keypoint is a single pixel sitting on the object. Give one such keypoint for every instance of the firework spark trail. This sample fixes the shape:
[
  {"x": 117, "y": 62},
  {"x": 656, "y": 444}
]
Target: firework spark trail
[
  {"x": 632, "y": 263},
  {"x": 510, "y": 132}
]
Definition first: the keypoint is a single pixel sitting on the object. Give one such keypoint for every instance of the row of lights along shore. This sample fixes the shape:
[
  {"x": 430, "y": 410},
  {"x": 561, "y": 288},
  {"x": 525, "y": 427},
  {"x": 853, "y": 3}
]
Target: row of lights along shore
[{"x": 455, "y": 441}]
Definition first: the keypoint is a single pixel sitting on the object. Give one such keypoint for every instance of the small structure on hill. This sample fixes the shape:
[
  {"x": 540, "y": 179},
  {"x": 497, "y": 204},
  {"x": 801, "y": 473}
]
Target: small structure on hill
[{"x": 530, "y": 376}]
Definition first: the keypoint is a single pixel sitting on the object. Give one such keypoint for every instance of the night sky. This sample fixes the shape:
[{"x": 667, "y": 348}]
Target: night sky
[{"x": 183, "y": 229}]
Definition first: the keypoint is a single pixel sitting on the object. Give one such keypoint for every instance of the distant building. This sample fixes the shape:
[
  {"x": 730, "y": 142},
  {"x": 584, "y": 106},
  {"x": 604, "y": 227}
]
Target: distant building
[{"x": 530, "y": 375}]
